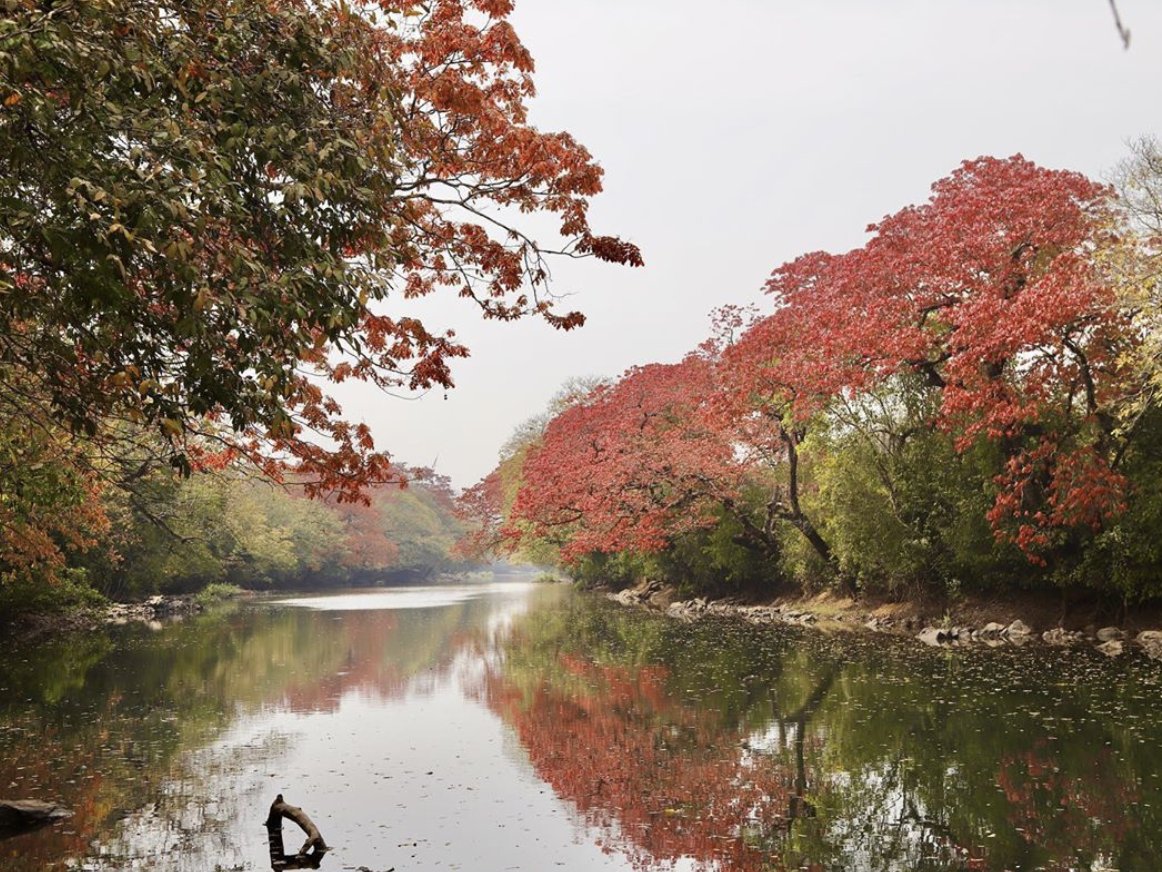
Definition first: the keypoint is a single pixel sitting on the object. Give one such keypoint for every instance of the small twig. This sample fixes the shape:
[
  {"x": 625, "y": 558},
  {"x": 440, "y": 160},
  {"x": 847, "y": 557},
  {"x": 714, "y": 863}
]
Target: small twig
[{"x": 1123, "y": 31}]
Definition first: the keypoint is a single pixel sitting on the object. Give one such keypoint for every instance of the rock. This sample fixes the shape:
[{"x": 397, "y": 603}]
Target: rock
[
  {"x": 1061, "y": 638},
  {"x": 991, "y": 630},
  {"x": 1110, "y": 634},
  {"x": 1151, "y": 643},
  {"x": 660, "y": 596},
  {"x": 686, "y": 610},
  {"x": 1112, "y": 648},
  {"x": 935, "y": 637},
  {"x": 1018, "y": 628},
  {"x": 22, "y": 815}
]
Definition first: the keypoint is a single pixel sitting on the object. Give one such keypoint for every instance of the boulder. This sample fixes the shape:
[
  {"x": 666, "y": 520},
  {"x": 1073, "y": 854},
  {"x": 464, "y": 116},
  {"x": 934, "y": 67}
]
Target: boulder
[
  {"x": 1018, "y": 628},
  {"x": 1111, "y": 634},
  {"x": 1151, "y": 643},
  {"x": 1112, "y": 648},
  {"x": 991, "y": 630},
  {"x": 935, "y": 637},
  {"x": 21, "y": 815},
  {"x": 1061, "y": 638}
]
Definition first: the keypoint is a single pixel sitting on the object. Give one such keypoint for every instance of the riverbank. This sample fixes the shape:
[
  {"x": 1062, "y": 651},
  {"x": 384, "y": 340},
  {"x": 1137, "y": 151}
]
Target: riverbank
[
  {"x": 1012, "y": 621},
  {"x": 154, "y": 612}
]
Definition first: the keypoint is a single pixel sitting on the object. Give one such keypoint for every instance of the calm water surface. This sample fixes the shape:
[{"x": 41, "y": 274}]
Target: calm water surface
[{"x": 506, "y": 726}]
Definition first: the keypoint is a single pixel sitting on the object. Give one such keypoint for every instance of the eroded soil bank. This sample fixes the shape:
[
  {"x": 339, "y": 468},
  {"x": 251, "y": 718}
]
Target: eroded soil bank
[{"x": 1011, "y": 621}]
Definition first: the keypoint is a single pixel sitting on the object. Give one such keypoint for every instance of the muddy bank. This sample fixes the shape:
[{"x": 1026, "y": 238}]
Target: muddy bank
[{"x": 992, "y": 623}]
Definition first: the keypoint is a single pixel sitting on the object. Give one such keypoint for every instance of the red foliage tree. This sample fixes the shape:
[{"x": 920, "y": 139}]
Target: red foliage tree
[
  {"x": 634, "y": 465},
  {"x": 989, "y": 292},
  {"x": 210, "y": 210}
]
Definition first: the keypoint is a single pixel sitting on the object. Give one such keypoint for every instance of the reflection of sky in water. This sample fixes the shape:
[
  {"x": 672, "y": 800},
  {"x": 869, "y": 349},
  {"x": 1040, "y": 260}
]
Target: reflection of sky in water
[
  {"x": 416, "y": 776},
  {"x": 404, "y": 598}
]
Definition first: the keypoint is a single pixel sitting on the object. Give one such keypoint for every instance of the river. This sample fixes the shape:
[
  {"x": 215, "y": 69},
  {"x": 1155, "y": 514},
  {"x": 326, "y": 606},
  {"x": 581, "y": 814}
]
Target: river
[{"x": 511, "y": 726}]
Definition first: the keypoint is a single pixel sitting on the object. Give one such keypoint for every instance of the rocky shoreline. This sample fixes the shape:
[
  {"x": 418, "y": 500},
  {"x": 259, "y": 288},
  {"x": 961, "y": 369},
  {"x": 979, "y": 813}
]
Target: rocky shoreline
[
  {"x": 154, "y": 613},
  {"x": 825, "y": 613},
  {"x": 156, "y": 609}
]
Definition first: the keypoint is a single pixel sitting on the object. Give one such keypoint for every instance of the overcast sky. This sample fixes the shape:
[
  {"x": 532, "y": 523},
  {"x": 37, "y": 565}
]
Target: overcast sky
[{"x": 738, "y": 134}]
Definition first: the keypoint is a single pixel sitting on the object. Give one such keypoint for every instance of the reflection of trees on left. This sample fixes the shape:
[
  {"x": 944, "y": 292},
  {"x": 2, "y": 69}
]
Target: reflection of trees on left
[{"x": 114, "y": 730}]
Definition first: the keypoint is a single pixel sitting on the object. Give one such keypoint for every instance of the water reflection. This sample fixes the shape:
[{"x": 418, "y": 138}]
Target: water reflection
[
  {"x": 719, "y": 746},
  {"x": 526, "y": 727}
]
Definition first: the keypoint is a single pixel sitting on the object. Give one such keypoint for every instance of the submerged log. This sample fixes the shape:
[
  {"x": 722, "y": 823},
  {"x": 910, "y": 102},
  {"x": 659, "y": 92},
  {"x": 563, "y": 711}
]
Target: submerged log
[
  {"x": 310, "y": 854},
  {"x": 23, "y": 815}
]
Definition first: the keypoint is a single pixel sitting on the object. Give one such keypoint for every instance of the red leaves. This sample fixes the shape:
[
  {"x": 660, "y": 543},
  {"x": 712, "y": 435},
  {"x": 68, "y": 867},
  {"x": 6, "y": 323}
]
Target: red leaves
[
  {"x": 988, "y": 291},
  {"x": 631, "y": 466},
  {"x": 988, "y": 297},
  {"x": 611, "y": 249}
]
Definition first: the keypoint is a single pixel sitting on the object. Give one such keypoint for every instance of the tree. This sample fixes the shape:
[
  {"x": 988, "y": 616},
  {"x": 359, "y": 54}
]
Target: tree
[
  {"x": 1134, "y": 264},
  {"x": 990, "y": 293},
  {"x": 630, "y": 467},
  {"x": 204, "y": 206},
  {"x": 768, "y": 412},
  {"x": 487, "y": 506}
]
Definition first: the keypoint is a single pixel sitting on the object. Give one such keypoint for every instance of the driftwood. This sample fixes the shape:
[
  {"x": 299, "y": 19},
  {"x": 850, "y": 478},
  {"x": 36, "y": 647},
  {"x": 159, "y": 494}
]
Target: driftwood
[
  {"x": 310, "y": 855},
  {"x": 24, "y": 815}
]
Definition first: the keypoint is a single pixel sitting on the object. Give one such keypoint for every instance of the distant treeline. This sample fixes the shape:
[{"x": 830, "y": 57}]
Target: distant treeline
[{"x": 171, "y": 534}]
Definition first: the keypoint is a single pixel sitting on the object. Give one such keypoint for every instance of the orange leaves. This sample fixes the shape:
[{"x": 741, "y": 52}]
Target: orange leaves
[{"x": 285, "y": 176}]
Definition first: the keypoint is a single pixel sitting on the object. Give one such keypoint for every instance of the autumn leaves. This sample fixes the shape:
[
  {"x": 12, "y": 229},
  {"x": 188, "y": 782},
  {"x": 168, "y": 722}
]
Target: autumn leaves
[{"x": 975, "y": 334}]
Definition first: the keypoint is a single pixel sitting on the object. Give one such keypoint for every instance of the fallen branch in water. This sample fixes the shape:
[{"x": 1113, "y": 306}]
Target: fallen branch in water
[{"x": 279, "y": 809}]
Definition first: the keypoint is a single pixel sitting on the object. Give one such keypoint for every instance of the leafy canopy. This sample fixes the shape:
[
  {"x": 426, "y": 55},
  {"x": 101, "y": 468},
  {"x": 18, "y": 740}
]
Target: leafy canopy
[{"x": 207, "y": 206}]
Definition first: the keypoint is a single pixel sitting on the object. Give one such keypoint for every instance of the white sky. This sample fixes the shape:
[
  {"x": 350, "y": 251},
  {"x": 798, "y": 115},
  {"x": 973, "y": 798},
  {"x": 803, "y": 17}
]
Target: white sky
[{"x": 738, "y": 134}]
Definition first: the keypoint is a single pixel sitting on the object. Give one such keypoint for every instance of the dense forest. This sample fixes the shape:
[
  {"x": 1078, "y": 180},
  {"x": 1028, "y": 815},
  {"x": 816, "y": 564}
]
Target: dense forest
[{"x": 969, "y": 401}]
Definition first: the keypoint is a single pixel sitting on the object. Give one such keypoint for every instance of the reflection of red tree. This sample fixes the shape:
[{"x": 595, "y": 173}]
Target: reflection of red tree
[
  {"x": 662, "y": 780},
  {"x": 1069, "y": 814},
  {"x": 61, "y": 770},
  {"x": 368, "y": 667}
]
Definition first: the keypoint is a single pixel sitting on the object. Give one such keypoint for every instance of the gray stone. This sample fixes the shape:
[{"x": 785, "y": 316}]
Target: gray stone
[
  {"x": 1110, "y": 634},
  {"x": 1151, "y": 642},
  {"x": 991, "y": 629},
  {"x": 1112, "y": 648},
  {"x": 934, "y": 636}
]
